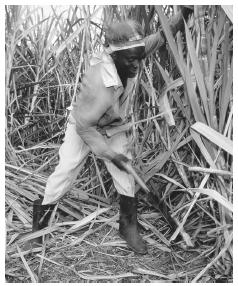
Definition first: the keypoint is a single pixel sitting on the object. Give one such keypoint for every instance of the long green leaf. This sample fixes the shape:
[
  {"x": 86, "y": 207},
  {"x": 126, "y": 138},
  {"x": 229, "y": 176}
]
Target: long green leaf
[
  {"x": 226, "y": 98},
  {"x": 197, "y": 71},
  {"x": 215, "y": 196},
  {"x": 181, "y": 65},
  {"x": 87, "y": 220},
  {"x": 170, "y": 38},
  {"x": 213, "y": 62},
  {"x": 229, "y": 11},
  {"x": 214, "y": 136},
  {"x": 193, "y": 98},
  {"x": 69, "y": 40}
]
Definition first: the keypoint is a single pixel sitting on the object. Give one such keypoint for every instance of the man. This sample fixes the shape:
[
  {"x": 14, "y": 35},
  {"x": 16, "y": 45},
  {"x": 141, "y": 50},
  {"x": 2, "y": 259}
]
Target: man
[{"x": 101, "y": 105}]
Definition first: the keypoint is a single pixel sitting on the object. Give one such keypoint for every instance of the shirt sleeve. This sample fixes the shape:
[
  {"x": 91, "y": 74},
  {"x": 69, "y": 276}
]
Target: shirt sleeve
[{"x": 92, "y": 102}]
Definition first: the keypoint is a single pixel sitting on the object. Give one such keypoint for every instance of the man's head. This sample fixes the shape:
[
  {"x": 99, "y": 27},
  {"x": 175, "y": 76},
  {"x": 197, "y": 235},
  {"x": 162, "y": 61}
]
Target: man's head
[{"x": 124, "y": 41}]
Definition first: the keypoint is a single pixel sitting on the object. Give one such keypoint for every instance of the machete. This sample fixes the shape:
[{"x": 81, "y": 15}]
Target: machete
[{"x": 137, "y": 178}]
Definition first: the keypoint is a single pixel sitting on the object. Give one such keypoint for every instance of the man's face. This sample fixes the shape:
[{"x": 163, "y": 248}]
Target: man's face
[{"x": 127, "y": 61}]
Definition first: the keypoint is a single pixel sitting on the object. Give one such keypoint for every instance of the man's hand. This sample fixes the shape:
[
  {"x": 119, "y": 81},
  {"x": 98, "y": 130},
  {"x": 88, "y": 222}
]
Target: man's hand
[{"x": 118, "y": 160}]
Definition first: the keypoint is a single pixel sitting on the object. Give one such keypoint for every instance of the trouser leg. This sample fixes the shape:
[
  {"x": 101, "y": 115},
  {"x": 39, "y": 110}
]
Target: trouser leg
[
  {"x": 123, "y": 182},
  {"x": 72, "y": 153}
]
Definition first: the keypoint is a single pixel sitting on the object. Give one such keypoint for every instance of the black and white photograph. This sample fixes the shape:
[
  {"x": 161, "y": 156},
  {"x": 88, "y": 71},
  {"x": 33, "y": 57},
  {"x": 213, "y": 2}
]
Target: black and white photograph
[{"x": 118, "y": 143}]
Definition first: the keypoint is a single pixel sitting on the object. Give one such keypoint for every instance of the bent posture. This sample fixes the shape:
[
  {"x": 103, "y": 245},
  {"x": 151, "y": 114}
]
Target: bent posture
[{"x": 102, "y": 104}]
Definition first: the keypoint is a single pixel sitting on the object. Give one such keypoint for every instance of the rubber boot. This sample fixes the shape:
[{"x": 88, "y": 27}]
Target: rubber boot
[
  {"x": 41, "y": 216},
  {"x": 128, "y": 225}
]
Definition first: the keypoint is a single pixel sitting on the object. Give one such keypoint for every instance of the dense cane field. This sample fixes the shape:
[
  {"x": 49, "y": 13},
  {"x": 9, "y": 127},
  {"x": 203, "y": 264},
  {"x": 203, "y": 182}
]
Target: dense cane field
[{"x": 182, "y": 114}]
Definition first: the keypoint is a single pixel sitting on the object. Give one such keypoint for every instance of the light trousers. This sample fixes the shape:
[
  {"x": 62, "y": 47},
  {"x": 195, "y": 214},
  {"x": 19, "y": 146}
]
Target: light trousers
[{"x": 72, "y": 153}]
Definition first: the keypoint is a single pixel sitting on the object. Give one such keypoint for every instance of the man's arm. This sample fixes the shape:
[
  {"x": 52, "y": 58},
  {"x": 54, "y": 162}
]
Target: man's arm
[
  {"x": 93, "y": 101},
  {"x": 153, "y": 42},
  {"x": 157, "y": 40}
]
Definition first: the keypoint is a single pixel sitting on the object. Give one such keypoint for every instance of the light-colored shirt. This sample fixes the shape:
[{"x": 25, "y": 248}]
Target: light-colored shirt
[
  {"x": 100, "y": 104},
  {"x": 102, "y": 101}
]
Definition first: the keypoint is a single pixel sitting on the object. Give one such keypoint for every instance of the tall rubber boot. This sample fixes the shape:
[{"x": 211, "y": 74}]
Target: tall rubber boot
[
  {"x": 128, "y": 225},
  {"x": 41, "y": 216}
]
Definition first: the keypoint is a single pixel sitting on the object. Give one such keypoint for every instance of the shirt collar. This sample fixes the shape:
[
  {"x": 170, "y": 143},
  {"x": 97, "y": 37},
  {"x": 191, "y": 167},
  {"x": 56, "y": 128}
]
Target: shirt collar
[{"x": 109, "y": 72}]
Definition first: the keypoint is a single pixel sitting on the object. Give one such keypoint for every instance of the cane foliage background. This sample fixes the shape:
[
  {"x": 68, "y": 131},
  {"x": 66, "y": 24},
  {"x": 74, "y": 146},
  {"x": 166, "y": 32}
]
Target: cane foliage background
[{"x": 182, "y": 110}]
